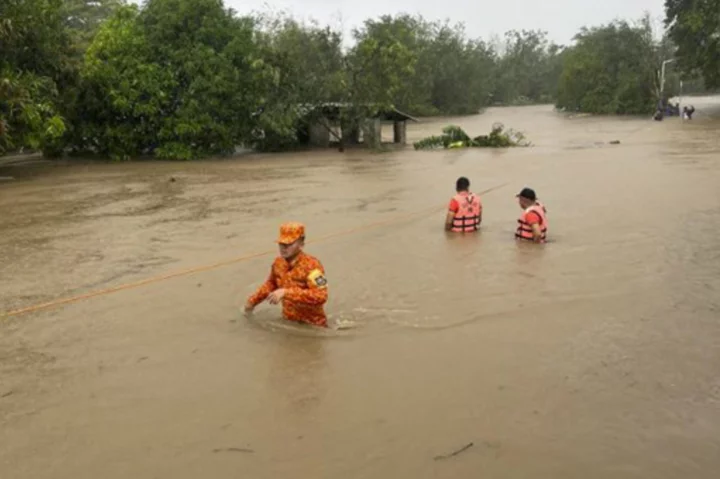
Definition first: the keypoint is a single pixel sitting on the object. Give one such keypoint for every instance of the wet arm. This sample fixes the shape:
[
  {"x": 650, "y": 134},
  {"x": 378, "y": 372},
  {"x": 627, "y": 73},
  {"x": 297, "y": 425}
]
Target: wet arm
[
  {"x": 453, "y": 207},
  {"x": 263, "y": 291},
  {"x": 537, "y": 234},
  {"x": 449, "y": 220},
  {"x": 533, "y": 220}
]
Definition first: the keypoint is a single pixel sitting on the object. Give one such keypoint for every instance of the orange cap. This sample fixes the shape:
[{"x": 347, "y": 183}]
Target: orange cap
[{"x": 291, "y": 232}]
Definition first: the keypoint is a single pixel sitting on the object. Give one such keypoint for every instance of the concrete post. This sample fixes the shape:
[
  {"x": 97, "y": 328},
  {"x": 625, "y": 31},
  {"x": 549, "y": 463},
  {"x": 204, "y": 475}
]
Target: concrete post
[
  {"x": 400, "y": 132},
  {"x": 373, "y": 132}
]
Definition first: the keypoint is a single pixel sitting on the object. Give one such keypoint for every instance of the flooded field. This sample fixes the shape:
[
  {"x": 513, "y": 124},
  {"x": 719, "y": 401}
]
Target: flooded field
[{"x": 593, "y": 356}]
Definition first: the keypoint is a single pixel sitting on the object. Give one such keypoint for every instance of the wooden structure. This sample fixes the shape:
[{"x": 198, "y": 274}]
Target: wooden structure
[{"x": 330, "y": 120}]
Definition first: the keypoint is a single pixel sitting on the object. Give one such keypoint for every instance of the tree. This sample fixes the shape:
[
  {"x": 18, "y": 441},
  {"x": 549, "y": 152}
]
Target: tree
[
  {"x": 185, "y": 79},
  {"x": 612, "y": 69},
  {"x": 313, "y": 70},
  {"x": 415, "y": 35},
  {"x": 178, "y": 79},
  {"x": 373, "y": 75},
  {"x": 528, "y": 69},
  {"x": 28, "y": 115},
  {"x": 447, "y": 73},
  {"x": 310, "y": 64},
  {"x": 694, "y": 26},
  {"x": 461, "y": 71},
  {"x": 84, "y": 17},
  {"x": 309, "y": 58},
  {"x": 377, "y": 67},
  {"x": 35, "y": 58}
]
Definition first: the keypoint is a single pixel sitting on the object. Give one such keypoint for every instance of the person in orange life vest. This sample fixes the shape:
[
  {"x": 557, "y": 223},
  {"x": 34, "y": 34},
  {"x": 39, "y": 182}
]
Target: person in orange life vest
[
  {"x": 532, "y": 224},
  {"x": 296, "y": 279},
  {"x": 465, "y": 211}
]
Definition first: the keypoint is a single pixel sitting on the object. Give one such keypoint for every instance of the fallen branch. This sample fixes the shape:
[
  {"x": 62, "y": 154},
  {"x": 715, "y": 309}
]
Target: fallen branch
[
  {"x": 233, "y": 449},
  {"x": 448, "y": 456}
]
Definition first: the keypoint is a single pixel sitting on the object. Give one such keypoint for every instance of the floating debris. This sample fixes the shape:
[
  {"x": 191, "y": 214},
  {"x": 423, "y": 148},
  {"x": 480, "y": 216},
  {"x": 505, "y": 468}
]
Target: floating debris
[
  {"x": 233, "y": 449},
  {"x": 448, "y": 456},
  {"x": 454, "y": 137}
]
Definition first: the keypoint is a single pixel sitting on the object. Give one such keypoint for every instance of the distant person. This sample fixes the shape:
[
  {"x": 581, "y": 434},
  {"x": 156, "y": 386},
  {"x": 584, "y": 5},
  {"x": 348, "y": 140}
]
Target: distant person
[
  {"x": 296, "y": 279},
  {"x": 532, "y": 224},
  {"x": 465, "y": 211}
]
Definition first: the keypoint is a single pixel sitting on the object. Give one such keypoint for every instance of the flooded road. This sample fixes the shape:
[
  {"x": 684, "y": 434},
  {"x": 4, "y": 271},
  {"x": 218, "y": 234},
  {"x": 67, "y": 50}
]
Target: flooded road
[{"x": 593, "y": 356}]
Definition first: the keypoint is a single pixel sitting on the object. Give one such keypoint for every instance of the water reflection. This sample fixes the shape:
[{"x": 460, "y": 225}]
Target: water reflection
[{"x": 297, "y": 376}]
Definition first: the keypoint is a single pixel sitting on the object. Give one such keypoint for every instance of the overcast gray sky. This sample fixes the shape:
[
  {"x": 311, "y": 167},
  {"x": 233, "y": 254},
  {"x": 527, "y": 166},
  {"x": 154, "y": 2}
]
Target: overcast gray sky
[{"x": 482, "y": 18}]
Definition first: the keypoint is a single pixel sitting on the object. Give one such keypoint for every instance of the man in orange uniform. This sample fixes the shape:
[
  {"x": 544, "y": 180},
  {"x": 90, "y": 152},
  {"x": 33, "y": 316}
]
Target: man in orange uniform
[
  {"x": 532, "y": 224},
  {"x": 465, "y": 210},
  {"x": 296, "y": 278}
]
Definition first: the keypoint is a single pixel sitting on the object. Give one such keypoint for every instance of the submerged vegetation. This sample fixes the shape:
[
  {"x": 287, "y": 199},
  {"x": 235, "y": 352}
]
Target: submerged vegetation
[{"x": 455, "y": 137}]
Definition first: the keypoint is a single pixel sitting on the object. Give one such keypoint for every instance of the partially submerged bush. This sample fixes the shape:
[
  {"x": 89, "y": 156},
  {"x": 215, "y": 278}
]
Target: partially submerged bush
[{"x": 454, "y": 137}]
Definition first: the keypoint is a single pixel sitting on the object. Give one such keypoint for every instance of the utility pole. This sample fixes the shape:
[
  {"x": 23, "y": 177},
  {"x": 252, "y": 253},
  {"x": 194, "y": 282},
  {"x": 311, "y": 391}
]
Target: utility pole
[
  {"x": 662, "y": 77},
  {"x": 682, "y": 117}
]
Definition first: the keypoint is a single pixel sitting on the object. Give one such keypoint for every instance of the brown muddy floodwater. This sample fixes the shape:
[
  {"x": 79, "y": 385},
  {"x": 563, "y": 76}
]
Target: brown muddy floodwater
[{"x": 594, "y": 356}]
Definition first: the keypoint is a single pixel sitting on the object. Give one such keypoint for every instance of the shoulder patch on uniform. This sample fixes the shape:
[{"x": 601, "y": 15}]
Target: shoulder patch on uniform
[{"x": 317, "y": 278}]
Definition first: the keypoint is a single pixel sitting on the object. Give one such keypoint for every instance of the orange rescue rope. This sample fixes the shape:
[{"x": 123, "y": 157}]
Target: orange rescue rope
[{"x": 198, "y": 269}]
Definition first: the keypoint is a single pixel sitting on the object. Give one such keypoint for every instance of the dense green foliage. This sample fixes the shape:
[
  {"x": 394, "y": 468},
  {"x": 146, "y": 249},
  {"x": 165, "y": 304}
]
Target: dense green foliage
[
  {"x": 455, "y": 137},
  {"x": 694, "y": 26},
  {"x": 84, "y": 17},
  {"x": 529, "y": 69},
  {"x": 183, "y": 79},
  {"x": 35, "y": 59},
  {"x": 172, "y": 80},
  {"x": 697, "y": 86},
  {"x": 611, "y": 69}
]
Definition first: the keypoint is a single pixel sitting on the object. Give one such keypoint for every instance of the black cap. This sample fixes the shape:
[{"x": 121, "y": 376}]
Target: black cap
[{"x": 528, "y": 193}]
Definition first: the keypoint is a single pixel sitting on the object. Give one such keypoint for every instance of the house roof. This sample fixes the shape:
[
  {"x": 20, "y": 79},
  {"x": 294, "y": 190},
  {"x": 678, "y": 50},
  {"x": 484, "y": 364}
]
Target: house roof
[{"x": 332, "y": 110}]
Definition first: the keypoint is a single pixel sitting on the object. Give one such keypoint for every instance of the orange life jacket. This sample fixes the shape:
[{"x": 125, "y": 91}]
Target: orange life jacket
[
  {"x": 467, "y": 217},
  {"x": 524, "y": 230}
]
